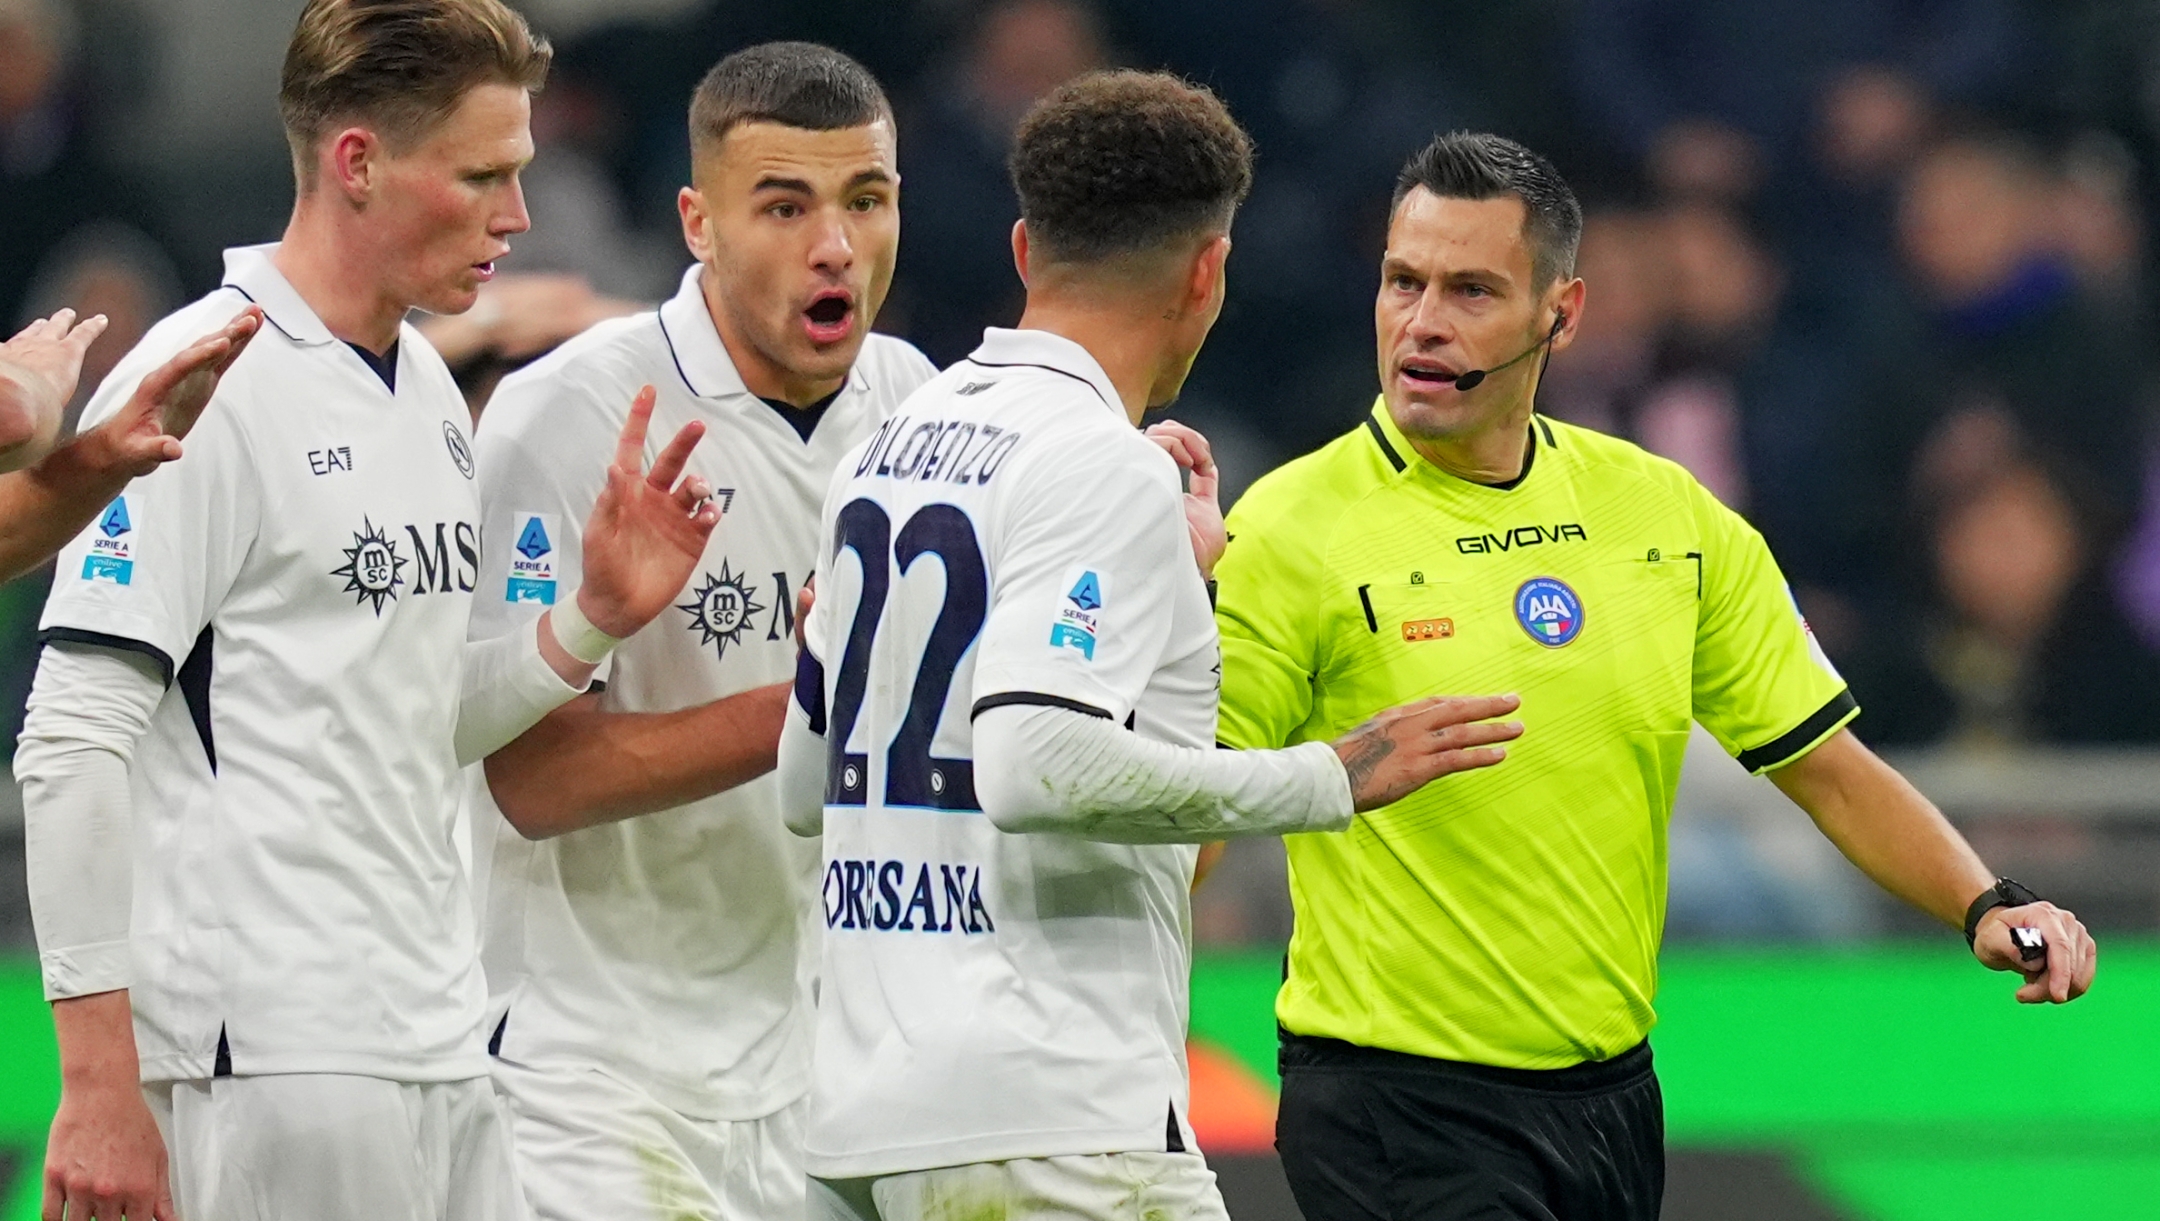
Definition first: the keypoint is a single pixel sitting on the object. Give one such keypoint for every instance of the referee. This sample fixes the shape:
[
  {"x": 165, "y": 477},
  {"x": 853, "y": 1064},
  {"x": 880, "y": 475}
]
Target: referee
[{"x": 1469, "y": 986}]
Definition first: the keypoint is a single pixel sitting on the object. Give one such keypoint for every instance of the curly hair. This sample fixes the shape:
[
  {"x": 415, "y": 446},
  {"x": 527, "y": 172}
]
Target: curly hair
[{"x": 1120, "y": 163}]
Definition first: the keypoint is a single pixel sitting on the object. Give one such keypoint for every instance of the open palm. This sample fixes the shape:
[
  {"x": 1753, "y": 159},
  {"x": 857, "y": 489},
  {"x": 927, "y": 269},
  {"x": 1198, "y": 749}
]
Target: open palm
[
  {"x": 647, "y": 530},
  {"x": 146, "y": 432}
]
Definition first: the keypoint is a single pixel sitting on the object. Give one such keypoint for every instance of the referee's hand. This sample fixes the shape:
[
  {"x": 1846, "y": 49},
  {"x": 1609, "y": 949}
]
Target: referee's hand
[
  {"x": 2071, "y": 952},
  {"x": 1403, "y": 749}
]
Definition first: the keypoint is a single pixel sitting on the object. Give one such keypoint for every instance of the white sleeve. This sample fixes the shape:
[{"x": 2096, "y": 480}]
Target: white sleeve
[
  {"x": 541, "y": 453},
  {"x": 1070, "y": 773},
  {"x": 508, "y": 687},
  {"x": 1086, "y": 571},
  {"x": 803, "y": 756},
  {"x": 88, "y": 708}
]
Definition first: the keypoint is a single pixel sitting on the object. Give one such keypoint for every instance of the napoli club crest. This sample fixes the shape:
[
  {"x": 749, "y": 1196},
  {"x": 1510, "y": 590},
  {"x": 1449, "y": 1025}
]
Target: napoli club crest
[{"x": 1549, "y": 611}]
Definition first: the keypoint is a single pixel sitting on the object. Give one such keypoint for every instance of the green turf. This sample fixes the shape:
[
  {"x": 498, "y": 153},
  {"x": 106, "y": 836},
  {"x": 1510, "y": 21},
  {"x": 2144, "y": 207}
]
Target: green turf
[{"x": 1903, "y": 1080}]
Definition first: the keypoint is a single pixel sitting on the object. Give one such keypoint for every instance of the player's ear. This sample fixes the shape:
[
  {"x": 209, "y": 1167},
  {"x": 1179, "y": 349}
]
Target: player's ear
[
  {"x": 696, "y": 223},
  {"x": 1020, "y": 250},
  {"x": 353, "y": 160},
  {"x": 1205, "y": 284},
  {"x": 1568, "y": 308}
]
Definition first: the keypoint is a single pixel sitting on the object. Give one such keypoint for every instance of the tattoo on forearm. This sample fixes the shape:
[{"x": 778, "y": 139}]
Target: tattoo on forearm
[{"x": 1368, "y": 747}]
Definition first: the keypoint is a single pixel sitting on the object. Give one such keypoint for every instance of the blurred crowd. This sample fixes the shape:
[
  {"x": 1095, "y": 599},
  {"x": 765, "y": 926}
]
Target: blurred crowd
[{"x": 1877, "y": 271}]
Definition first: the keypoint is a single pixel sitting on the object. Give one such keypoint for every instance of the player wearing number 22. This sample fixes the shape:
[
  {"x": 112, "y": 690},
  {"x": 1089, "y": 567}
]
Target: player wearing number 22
[
  {"x": 1469, "y": 985},
  {"x": 1005, "y": 715}
]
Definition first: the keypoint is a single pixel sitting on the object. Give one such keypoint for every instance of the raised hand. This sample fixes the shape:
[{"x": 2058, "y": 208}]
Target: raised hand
[
  {"x": 38, "y": 369},
  {"x": 1403, "y": 749},
  {"x": 647, "y": 530},
  {"x": 146, "y": 433},
  {"x": 1203, "y": 513}
]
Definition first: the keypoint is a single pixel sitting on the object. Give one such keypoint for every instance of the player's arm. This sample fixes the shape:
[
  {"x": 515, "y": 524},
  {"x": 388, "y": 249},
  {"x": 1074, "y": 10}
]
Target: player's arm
[
  {"x": 642, "y": 538},
  {"x": 88, "y": 708},
  {"x": 581, "y": 765},
  {"x": 1897, "y": 837},
  {"x": 1073, "y": 773},
  {"x": 44, "y": 506}
]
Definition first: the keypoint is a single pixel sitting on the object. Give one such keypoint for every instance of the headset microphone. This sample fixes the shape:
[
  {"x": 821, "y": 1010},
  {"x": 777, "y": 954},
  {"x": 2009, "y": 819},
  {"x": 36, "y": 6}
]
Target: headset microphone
[{"x": 1472, "y": 379}]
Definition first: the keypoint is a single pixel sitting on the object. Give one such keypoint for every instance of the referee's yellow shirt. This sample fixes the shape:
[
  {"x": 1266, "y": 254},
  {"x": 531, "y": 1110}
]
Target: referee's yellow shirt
[{"x": 1509, "y": 916}]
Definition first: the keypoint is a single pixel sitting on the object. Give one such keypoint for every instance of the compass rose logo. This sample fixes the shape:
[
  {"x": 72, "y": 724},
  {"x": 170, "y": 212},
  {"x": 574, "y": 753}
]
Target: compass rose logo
[
  {"x": 373, "y": 569},
  {"x": 721, "y": 607}
]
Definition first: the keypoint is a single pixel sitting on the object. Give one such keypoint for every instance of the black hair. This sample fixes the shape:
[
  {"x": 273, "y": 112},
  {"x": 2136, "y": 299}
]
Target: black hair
[
  {"x": 1120, "y": 162},
  {"x": 795, "y": 84},
  {"x": 1479, "y": 165}
]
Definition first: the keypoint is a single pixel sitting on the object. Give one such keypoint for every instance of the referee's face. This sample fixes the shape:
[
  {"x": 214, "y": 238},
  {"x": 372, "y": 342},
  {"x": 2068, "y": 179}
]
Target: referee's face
[
  {"x": 1456, "y": 293},
  {"x": 798, "y": 231}
]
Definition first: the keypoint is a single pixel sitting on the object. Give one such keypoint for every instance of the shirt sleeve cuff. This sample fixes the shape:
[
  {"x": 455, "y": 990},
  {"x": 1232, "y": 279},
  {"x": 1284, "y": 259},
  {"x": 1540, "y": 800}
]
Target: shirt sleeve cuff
[
  {"x": 86, "y": 970},
  {"x": 1335, "y": 806},
  {"x": 1804, "y": 737}
]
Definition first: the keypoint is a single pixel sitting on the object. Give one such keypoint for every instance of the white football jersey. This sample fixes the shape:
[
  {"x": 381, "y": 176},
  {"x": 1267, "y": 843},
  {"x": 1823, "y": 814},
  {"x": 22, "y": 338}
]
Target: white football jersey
[
  {"x": 303, "y": 576},
  {"x": 674, "y": 948},
  {"x": 1009, "y": 537}
]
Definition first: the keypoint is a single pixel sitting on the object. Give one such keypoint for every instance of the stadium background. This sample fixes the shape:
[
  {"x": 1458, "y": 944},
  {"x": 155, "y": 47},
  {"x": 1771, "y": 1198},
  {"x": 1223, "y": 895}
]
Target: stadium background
[{"x": 1877, "y": 271}]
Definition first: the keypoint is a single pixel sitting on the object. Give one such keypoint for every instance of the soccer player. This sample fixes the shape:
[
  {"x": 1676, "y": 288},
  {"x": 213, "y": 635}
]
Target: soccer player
[
  {"x": 648, "y": 936},
  {"x": 50, "y": 491},
  {"x": 241, "y": 762},
  {"x": 1005, "y": 715},
  {"x": 1470, "y": 981}
]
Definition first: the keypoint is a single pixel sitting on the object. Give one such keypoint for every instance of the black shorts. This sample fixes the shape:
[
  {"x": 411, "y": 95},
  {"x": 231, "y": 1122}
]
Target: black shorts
[{"x": 1367, "y": 1135}]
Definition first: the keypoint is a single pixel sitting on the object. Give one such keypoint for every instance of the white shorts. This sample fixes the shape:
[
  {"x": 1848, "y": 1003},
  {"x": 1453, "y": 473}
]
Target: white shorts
[
  {"x": 1092, "y": 1187},
  {"x": 593, "y": 1147},
  {"x": 329, "y": 1147}
]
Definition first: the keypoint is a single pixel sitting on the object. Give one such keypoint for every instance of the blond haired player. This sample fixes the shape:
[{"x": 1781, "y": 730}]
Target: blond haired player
[{"x": 241, "y": 762}]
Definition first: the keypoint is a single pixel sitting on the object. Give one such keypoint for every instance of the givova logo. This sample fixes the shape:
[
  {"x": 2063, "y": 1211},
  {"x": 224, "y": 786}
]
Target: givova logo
[{"x": 905, "y": 897}]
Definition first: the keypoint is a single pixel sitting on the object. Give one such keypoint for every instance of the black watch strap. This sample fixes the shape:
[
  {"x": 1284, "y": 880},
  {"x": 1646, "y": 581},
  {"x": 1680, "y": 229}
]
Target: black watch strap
[{"x": 2004, "y": 893}]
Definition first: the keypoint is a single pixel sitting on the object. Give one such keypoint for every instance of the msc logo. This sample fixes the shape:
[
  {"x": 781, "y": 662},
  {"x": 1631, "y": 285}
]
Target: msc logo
[
  {"x": 374, "y": 571},
  {"x": 723, "y": 608},
  {"x": 897, "y": 896},
  {"x": 1520, "y": 536}
]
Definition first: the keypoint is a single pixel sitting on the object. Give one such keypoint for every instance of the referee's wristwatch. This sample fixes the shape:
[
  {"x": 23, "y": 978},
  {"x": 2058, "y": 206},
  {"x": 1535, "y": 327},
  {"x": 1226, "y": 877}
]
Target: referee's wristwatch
[{"x": 2004, "y": 893}]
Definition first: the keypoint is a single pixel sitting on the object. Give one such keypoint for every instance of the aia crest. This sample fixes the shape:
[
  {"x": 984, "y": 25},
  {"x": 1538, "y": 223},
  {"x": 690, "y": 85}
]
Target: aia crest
[
  {"x": 720, "y": 608},
  {"x": 373, "y": 569},
  {"x": 1549, "y": 611}
]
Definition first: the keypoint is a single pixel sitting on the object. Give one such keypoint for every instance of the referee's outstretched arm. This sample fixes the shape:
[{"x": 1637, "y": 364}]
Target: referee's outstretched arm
[{"x": 1897, "y": 837}]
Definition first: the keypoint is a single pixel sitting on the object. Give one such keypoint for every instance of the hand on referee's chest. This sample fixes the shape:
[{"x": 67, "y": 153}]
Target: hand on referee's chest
[
  {"x": 2062, "y": 969},
  {"x": 1403, "y": 749},
  {"x": 1203, "y": 511}
]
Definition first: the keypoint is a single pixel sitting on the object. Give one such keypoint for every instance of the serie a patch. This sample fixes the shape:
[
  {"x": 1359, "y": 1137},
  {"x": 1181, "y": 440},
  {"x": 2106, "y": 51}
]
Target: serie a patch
[
  {"x": 1079, "y": 612},
  {"x": 112, "y": 547},
  {"x": 532, "y": 558}
]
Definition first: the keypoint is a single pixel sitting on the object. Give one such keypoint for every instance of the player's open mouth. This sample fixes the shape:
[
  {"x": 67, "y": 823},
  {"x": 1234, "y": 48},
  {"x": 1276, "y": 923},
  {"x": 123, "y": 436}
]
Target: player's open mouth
[
  {"x": 1427, "y": 373},
  {"x": 830, "y": 317},
  {"x": 486, "y": 271}
]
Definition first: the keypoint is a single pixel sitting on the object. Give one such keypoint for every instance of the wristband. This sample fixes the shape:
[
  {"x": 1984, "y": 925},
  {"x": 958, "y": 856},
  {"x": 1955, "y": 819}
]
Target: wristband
[
  {"x": 2004, "y": 893},
  {"x": 577, "y": 635}
]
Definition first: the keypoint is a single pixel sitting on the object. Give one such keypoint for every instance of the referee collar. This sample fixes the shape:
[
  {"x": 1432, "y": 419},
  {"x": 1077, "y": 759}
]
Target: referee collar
[
  {"x": 702, "y": 360},
  {"x": 1396, "y": 450},
  {"x": 1004, "y": 349},
  {"x": 249, "y": 269}
]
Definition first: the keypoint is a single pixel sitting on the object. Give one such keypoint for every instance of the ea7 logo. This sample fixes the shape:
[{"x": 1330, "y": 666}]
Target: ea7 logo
[{"x": 1520, "y": 536}]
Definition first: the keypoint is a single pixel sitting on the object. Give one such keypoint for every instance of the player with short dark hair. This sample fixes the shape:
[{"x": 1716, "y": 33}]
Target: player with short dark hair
[
  {"x": 1004, "y": 723},
  {"x": 647, "y": 936},
  {"x": 1469, "y": 984},
  {"x": 242, "y": 755}
]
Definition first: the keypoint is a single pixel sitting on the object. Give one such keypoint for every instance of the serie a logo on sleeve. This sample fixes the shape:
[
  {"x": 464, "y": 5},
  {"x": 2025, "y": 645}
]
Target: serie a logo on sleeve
[
  {"x": 112, "y": 552},
  {"x": 532, "y": 560},
  {"x": 1549, "y": 611},
  {"x": 1079, "y": 615}
]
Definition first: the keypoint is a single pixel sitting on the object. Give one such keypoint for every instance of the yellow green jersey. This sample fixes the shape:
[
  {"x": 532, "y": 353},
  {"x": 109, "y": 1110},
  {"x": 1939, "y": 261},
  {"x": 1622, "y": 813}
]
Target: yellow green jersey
[{"x": 1509, "y": 916}]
